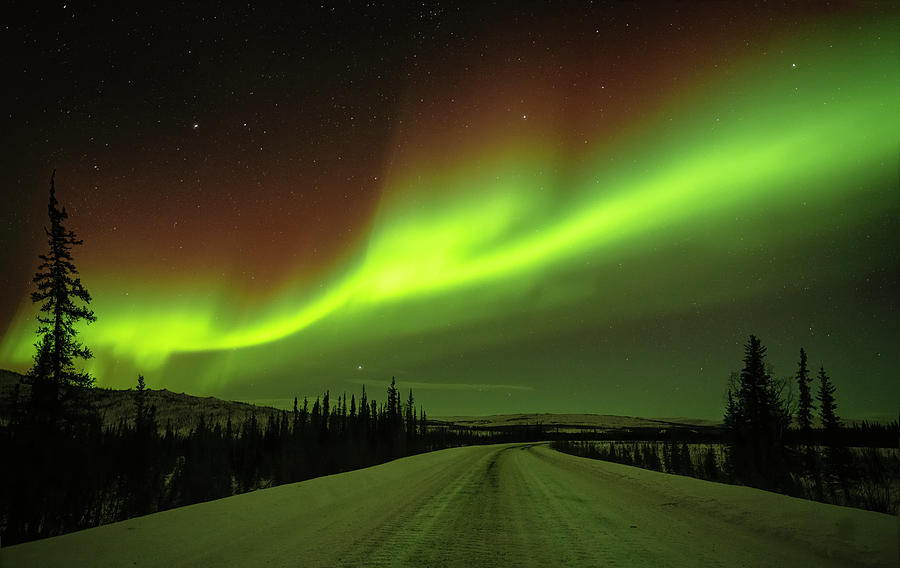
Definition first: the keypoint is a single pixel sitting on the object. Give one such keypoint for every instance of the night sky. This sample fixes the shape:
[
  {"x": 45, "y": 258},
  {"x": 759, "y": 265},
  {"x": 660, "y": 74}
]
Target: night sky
[{"x": 520, "y": 207}]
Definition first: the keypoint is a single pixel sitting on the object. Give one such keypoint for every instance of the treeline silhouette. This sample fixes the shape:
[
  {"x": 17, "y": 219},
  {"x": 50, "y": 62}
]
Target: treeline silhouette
[
  {"x": 668, "y": 456},
  {"x": 79, "y": 474},
  {"x": 767, "y": 443}
]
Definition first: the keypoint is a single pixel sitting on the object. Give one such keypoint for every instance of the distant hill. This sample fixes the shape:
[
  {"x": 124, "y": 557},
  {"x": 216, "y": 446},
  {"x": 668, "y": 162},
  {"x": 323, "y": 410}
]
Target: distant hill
[
  {"x": 608, "y": 421},
  {"x": 183, "y": 410},
  {"x": 572, "y": 421}
]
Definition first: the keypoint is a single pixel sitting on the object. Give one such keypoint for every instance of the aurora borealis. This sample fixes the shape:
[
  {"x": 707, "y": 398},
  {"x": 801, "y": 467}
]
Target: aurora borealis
[{"x": 524, "y": 208}]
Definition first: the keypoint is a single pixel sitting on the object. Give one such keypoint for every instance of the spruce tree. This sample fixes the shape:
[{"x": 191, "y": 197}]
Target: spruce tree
[
  {"x": 753, "y": 381},
  {"x": 143, "y": 477},
  {"x": 315, "y": 420},
  {"x": 394, "y": 419},
  {"x": 732, "y": 412},
  {"x": 326, "y": 414},
  {"x": 140, "y": 404},
  {"x": 830, "y": 421},
  {"x": 410, "y": 414},
  {"x": 423, "y": 424},
  {"x": 410, "y": 419},
  {"x": 64, "y": 302},
  {"x": 804, "y": 410},
  {"x": 837, "y": 456},
  {"x": 756, "y": 418},
  {"x": 393, "y": 401},
  {"x": 364, "y": 416},
  {"x": 304, "y": 415}
]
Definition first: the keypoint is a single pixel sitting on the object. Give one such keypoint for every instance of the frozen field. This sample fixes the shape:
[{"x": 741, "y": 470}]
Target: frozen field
[{"x": 503, "y": 505}]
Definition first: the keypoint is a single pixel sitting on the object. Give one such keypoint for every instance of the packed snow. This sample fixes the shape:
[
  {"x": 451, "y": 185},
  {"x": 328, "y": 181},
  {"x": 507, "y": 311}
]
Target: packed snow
[{"x": 501, "y": 505}]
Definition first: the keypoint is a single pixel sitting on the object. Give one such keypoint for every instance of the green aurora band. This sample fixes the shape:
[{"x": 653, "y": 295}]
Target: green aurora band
[{"x": 782, "y": 141}]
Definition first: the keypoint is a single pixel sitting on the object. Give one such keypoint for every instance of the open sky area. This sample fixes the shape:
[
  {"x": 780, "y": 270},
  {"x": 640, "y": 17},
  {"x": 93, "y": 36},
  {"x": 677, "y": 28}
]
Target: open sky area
[{"x": 508, "y": 206}]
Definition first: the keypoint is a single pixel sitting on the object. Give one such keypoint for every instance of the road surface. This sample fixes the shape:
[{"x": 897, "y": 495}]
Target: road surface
[{"x": 503, "y": 505}]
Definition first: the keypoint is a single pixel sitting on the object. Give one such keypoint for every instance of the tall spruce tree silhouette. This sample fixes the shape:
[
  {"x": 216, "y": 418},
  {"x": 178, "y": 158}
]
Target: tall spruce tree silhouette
[
  {"x": 805, "y": 407},
  {"x": 837, "y": 456},
  {"x": 54, "y": 433},
  {"x": 64, "y": 302},
  {"x": 827, "y": 411},
  {"x": 756, "y": 418},
  {"x": 804, "y": 414}
]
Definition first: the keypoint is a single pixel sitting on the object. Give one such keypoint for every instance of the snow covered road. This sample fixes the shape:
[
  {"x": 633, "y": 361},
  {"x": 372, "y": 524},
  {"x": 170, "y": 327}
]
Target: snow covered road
[{"x": 503, "y": 505}]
